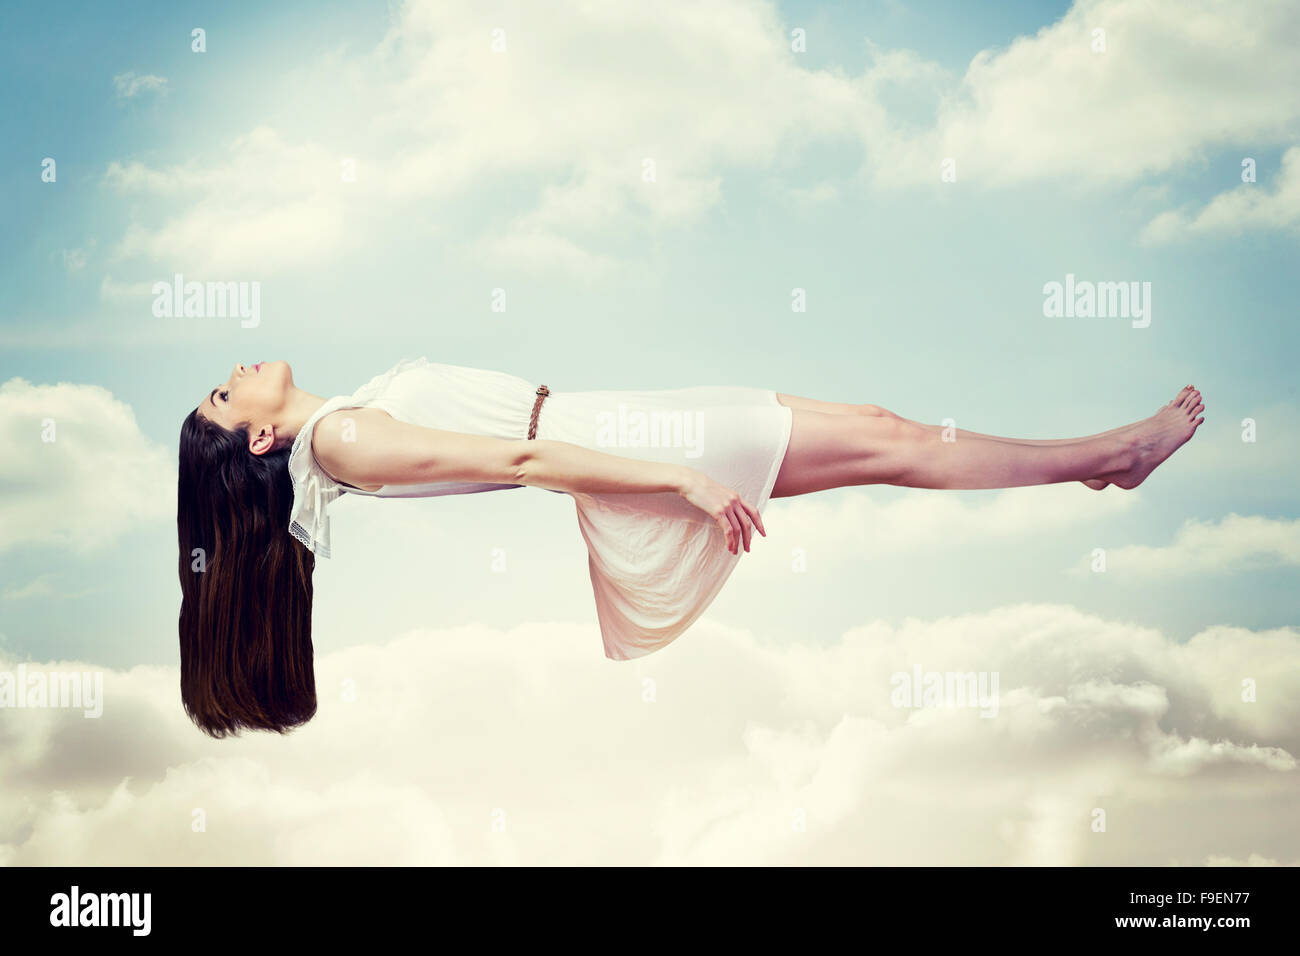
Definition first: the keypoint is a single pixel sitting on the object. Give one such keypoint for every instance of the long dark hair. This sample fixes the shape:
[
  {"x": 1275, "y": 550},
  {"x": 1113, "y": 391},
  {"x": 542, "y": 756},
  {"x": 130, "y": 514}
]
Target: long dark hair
[{"x": 245, "y": 621}]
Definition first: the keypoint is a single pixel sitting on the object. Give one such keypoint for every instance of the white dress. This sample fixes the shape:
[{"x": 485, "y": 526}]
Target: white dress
[{"x": 656, "y": 561}]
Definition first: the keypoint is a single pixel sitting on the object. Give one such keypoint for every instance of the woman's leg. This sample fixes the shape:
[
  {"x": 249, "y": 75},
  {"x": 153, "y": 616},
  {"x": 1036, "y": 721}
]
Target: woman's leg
[
  {"x": 838, "y": 408},
  {"x": 829, "y": 450}
]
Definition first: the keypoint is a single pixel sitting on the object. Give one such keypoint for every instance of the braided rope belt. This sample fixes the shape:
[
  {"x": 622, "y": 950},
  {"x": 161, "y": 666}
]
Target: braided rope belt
[{"x": 542, "y": 392}]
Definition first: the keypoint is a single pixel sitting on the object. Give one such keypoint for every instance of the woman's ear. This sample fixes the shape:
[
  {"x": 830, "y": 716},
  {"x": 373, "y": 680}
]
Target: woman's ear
[{"x": 263, "y": 441}]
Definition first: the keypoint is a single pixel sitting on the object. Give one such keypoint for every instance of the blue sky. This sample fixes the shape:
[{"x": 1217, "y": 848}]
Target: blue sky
[
  {"x": 922, "y": 298},
  {"x": 776, "y": 170}
]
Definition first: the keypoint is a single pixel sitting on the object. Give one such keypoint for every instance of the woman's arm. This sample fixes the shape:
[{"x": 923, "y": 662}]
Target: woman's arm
[
  {"x": 368, "y": 448},
  {"x": 376, "y": 449}
]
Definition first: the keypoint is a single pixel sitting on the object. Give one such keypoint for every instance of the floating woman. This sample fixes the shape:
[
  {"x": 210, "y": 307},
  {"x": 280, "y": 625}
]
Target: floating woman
[{"x": 666, "y": 512}]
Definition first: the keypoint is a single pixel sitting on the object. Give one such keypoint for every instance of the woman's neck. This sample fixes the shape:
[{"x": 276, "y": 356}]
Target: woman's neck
[{"x": 298, "y": 408}]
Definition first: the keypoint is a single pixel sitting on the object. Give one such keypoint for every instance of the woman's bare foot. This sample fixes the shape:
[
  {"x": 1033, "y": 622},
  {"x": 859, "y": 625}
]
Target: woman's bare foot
[
  {"x": 1099, "y": 483},
  {"x": 1155, "y": 439}
]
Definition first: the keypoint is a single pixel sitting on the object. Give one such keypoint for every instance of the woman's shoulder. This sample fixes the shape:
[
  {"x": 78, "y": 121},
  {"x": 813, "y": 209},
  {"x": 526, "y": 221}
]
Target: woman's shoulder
[
  {"x": 302, "y": 460},
  {"x": 314, "y": 487},
  {"x": 335, "y": 423},
  {"x": 335, "y": 440},
  {"x": 314, "y": 448}
]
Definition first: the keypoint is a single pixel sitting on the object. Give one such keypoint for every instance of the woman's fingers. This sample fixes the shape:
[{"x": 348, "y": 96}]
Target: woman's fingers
[
  {"x": 746, "y": 526},
  {"x": 735, "y": 516},
  {"x": 742, "y": 521},
  {"x": 733, "y": 539},
  {"x": 725, "y": 525}
]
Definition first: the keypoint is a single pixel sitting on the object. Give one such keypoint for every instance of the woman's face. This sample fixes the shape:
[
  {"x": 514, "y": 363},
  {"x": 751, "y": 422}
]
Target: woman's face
[{"x": 254, "y": 394}]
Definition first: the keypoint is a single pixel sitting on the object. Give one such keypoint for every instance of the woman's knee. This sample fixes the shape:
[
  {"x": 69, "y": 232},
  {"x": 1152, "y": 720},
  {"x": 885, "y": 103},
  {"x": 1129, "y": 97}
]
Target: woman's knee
[
  {"x": 898, "y": 429},
  {"x": 875, "y": 411}
]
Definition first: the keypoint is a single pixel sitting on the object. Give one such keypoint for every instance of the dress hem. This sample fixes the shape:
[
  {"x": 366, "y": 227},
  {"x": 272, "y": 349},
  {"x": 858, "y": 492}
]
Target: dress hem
[{"x": 630, "y": 654}]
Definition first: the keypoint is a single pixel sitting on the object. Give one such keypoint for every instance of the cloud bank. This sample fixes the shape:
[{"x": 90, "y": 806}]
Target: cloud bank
[
  {"x": 77, "y": 471},
  {"x": 613, "y": 123},
  {"x": 534, "y": 749}
]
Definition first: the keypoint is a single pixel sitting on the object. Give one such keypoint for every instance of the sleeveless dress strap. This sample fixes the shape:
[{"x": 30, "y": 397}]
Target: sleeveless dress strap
[{"x": 313, "y": 489}]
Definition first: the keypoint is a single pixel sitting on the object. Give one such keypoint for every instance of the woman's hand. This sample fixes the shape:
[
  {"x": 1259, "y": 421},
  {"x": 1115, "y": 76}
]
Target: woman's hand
[{"x": 736, "y": 517}]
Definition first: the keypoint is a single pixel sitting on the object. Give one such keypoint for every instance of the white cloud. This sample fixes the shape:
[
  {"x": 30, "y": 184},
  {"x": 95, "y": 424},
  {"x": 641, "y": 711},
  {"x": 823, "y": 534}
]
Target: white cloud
[
  {"x": 128, "y": 85},
  {"x": 851, "y": 522},
  {"x": 271, "y": 206},
  {"x": 37, "y": 587},
  {"x": 747, "y": 754},
  {"x": 586, "y": 99},
  {"x": 111, "y": 289},
  {"x": 77, "y": 471},
  {"x": 1254, "y": 859},
  {"x": 1248, "y": 206},
  {"x": 1177, "y": 78},
  {"x": 1234, "y": 543},
  {"x": 541, "y": 250},
  {"x": 580, "y": 103},
  {"x": 42, "y": 586}
]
